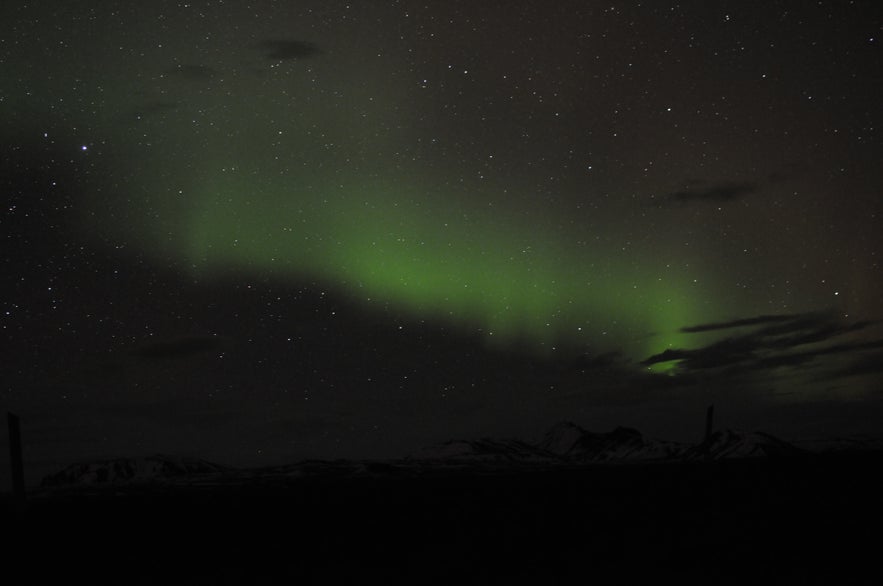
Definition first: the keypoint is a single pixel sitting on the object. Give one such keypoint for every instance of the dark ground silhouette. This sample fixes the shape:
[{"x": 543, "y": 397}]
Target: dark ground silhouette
[{"x": 805, "y": 520}]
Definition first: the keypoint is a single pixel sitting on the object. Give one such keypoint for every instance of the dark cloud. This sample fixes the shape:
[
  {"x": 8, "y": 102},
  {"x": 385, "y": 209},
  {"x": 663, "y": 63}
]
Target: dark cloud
[
  {"x": 809, "y": 330},
  {"x": 726, "y": 352},
  {"x": 774, "y": 341},
  {"x": 282, "y": 50},
  {"x": 193, "y": 72},
  {"x": 722, "y": 192},
  {"x": 798, "y": 358},
  {"x": 868, "y": 364},
  {"x": 736, "y": 323},
  {"x": 182, "y": 347}
]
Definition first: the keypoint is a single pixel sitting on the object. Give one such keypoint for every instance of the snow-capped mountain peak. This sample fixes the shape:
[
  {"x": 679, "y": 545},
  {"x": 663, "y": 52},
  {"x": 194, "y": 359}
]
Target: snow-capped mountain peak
[
  {"x": 570, "y": 441},
  {"x": 730, "y": 443},
  {"x": 562, "y": 437}
]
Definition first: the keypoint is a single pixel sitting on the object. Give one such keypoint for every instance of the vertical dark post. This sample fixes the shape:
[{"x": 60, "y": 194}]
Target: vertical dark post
[
  {"x": 709, "y": 421},
  {"x": 18, "y": 474}
]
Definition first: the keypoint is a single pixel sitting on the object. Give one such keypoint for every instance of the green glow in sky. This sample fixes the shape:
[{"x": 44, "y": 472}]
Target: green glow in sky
[
  {"x": 474, "y": 268},
  {"x": 255, "y": 173},
  {"x": 318, "y": 229}
]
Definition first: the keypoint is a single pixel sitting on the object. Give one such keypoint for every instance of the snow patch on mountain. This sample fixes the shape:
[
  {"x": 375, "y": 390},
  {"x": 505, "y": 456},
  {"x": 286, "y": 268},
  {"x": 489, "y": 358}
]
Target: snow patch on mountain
[
  {"x": 729, "y": 443},
  {"x": 570, "y": 441},
  {"x": 485, "y": 449},
  {"x": 566, "y": 442}
]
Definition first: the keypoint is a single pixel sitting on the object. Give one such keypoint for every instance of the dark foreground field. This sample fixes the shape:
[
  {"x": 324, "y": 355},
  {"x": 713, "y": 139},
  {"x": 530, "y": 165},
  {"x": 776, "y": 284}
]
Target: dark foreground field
[{"x": 806, "y": 521}]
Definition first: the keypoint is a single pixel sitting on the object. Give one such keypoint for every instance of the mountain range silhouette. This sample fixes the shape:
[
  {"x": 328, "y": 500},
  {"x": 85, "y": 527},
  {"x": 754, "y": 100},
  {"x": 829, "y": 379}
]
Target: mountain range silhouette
[{"x": 566, "y": 443}]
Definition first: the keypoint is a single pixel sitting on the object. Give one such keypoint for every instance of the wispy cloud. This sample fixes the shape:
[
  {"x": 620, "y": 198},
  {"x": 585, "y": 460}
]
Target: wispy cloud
[
  {"x": 750, "y": 321},
  {"x": 283, "y": 50},
  {"x": 774, "y": 341},
  {"x": 721, "y": 192}
]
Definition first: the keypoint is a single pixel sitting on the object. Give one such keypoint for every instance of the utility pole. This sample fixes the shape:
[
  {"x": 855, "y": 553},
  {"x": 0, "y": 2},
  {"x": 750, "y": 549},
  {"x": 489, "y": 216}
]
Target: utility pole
[
  {"x": 709, "y": 425},
  {"x": 709, "y": 420},
  {"x": 15, "y": 457}
]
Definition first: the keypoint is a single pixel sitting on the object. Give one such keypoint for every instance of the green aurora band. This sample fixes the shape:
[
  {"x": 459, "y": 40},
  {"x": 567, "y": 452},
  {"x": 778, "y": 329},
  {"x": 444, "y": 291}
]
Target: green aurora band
[
  {"x": 252, "y": 177},
  {"x": 481, "y": 269}
]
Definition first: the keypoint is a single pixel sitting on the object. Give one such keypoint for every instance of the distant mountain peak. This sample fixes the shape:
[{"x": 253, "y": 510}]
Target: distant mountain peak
[
  {"x": 566, "y": 443},
  {"x": 734, "y": 443},
  {"x": 485, "y": 449},
  {"x": 561, "y": 438},
  {"x": 569, "y": 440},
  {"x": 131, "y": 470}
]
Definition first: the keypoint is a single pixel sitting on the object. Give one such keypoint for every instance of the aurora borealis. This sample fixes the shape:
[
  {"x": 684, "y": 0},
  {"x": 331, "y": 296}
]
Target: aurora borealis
[
  {"x": 303, "y": 206},
  {"x": 418, "y": 215},
  {"x": 477, "y": 270}
]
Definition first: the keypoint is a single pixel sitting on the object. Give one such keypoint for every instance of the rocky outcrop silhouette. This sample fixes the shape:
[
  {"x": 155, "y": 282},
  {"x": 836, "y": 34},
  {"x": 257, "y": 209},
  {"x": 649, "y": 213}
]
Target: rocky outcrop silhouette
[
  {"x": 565, "y": 444},
  {"x": 131, "y": 470}
]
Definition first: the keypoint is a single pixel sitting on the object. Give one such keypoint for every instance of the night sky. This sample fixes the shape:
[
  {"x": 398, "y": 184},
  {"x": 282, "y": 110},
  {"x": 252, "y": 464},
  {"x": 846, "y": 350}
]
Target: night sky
[{"x": 257, "y": 232}]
